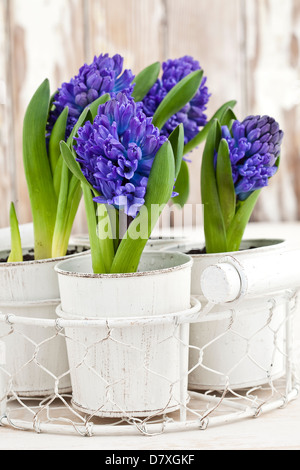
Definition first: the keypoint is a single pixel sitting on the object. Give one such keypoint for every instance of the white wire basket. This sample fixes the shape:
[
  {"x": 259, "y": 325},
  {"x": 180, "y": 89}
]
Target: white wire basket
[{"x": 57, "y": 412}]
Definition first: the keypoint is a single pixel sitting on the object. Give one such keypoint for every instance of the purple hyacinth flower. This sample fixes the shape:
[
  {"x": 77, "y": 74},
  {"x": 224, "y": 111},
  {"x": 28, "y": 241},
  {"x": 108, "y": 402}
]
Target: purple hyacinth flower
[
  {"x": 254, "y": 147},
  {"x": 104, "y": 75},
  {"x": 117, "y": 151},
  {"x": 192, "y": 116}
]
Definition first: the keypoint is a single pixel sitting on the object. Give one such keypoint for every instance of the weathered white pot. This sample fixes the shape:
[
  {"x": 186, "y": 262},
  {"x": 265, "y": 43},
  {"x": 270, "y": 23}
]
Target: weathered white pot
[
  {"x": 241, "y": 342},
  {"x": 35, "y": 356},
  {"x": 134, "y": 362}
]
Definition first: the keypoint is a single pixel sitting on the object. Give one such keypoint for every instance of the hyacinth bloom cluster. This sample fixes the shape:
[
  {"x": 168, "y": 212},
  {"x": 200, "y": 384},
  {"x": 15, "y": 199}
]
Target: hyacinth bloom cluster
[
  {"x": 192, "y": 116},
  {"x": 254, "y": 147},
  {"x": 104, "y": 75},
  {"x": 117, "y": 151}
]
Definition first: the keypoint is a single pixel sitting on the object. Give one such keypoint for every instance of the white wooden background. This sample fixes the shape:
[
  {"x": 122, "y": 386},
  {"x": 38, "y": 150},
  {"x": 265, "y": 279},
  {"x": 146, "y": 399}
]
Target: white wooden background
[{"x": 249, "y": 50}]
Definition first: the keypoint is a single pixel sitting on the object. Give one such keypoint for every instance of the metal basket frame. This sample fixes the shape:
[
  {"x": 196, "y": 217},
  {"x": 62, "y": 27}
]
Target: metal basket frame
[{"x": 237, "y": 405}]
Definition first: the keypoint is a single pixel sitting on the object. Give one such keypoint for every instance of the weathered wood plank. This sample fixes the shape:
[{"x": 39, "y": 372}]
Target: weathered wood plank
[
  {"x": 47, "y": 41},
  {"x": 7, "y": 163},
  {"x": 273, "y": 71},
  {"x": 210, "y": 32},
  {"x": 53, "y": 38},
  {"x": 132, "y": 28}
]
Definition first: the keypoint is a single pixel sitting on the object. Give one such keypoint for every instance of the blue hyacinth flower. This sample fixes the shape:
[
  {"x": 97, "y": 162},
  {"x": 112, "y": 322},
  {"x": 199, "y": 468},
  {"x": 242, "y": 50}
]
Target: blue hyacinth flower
[{"x": 116, "y": 153}]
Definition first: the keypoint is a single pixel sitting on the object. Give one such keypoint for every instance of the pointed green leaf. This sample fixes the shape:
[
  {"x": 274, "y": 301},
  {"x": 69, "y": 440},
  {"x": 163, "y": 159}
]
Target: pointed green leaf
[
  {"x": 38, "y": 172},
  {"x": 177, "y": 141},
  {"x": 159, "y": 191},
  {"x": 90, "y": 210},
  {"x": 227, "y": 195},
  {"x": 227, "y": 117},
  {"x": 58, "y": 133},
  {"x": 202, "y": 135},
  {"x": 182, "y": 185},
  {"x": 215, "y": 234},
  {"x": 243, "y": 213},
  {"x": 177, "y": 98},
  {"x": 105, "y": 235},
  {"x": 74, "y": 198},
  {"x": 145, "y": 80},
  {"x": 58, "y": 248},
  {"x": 16, "y": 254},
  {"x": 57, "y": 175}
]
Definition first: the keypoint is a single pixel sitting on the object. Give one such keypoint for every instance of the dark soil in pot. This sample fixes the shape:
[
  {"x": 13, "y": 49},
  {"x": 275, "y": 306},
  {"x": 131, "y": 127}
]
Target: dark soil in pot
[{"x": 29, "y": 255}]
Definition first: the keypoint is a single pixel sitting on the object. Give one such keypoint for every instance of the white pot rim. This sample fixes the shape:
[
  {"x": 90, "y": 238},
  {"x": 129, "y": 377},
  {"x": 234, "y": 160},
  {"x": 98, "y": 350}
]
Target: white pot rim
[
  {"x": 42, "y": 261},
  {"x": 264, "y": 244},
  {"x": 187, "y": 262}
]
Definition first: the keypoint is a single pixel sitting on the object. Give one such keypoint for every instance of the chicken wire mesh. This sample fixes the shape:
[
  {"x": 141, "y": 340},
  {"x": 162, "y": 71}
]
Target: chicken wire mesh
[{"x": 127, "y": 376}]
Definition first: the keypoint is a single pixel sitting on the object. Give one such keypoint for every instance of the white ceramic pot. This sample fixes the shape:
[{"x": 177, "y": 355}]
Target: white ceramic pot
[
  {"x": 35, "y": 356},
  {"x": 134, "y": 362},
  {"x": 241, "y": 342}
]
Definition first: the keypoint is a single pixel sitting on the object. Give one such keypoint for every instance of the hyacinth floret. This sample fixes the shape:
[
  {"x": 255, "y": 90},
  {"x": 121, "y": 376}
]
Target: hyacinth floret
[
  {"x": 254, "y": 147},
  {"x": 192, "y": 115},
  {"x": 117, "y": 151},
  {"x": 103, "y": 75}
]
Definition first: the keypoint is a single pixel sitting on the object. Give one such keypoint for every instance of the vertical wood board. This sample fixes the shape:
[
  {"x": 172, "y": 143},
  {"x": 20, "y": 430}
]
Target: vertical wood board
[
  {"x": 47, "y": 42},
  {"x": 273, "y": 71}
]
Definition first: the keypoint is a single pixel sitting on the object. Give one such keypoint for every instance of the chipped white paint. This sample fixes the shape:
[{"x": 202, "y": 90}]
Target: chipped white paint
[
  {"x": 226, "y": 277},
  {"x": 137, "y": 369}
]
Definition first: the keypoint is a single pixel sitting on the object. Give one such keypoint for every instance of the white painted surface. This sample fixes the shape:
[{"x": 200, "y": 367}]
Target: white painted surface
[
  {"x": 30, "y": 289},
  {"x": 140, "y": 369}
]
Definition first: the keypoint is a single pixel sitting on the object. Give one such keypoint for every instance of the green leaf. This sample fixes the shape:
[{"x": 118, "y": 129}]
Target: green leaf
[
  {"x": 202, "y": 135},
  {"x": 214, "y": 227},
  {"x": 16, "y": 254},
  {"x": 74, "y": 198},
  {"x": 58, "y": 248},
  {"x": 226, "y": 190},
  {"x": 237, "y": 227},
  {"x": 177, "y": 141},
  {"x": 90, "y": 210},
  {"x": 177, "y": 98},
  {"x": 38, "y": 172},
  {"x": 227, "y": 117},
  {"x": 105, "y": 235},
  {"x": 159, "y": 191},
  {"x": 57, "y": 175},
  {"x": 58, "y": 133},
  {"x": 182, "y": 185},
  {"x": 145, "y": 80}
]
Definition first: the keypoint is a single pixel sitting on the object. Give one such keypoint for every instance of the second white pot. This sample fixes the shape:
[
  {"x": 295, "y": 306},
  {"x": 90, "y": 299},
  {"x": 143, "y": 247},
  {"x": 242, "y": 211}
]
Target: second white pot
[
  {"x": 242, "y": 341},
  {"x": 134, "y": 362}
]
